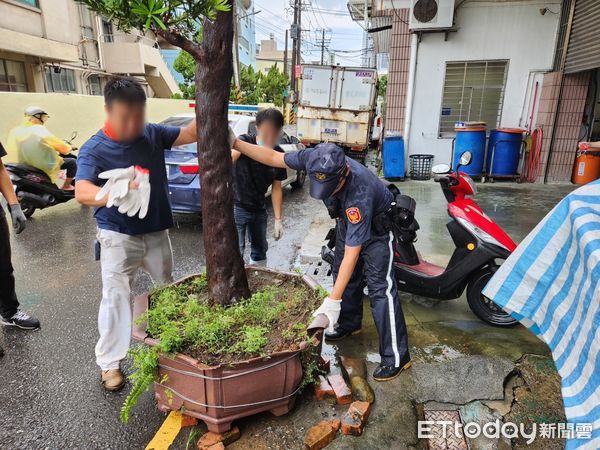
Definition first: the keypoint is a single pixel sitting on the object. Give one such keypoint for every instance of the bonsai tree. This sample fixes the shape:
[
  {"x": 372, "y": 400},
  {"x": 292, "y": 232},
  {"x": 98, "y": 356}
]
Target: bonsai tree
[{"x": 179, "y": 22}]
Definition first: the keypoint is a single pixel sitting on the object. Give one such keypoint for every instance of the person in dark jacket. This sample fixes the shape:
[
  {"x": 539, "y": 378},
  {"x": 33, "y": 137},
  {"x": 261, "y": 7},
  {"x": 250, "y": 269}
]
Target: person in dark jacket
[
  {"x": 10, "y": 313},
  {"x": 251, "y": 182}
]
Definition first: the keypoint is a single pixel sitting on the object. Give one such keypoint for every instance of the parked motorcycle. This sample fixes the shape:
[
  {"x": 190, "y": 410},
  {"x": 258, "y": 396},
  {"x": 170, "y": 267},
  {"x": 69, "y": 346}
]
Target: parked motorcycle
[
  {"x": 481, "y": 246},
  {"x": 34, "y": 188}
]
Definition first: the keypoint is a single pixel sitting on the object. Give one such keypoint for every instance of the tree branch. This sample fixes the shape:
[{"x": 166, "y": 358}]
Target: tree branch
[{"x": 177, "y": 39}]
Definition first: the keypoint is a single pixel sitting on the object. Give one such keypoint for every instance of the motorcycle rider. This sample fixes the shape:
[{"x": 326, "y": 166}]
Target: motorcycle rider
[
  {"x": 251, "y": 181},
  {"x": 362, "y": 247},
  {"x": 33, "y": 144},
  {"x": 10, "y": 313}
]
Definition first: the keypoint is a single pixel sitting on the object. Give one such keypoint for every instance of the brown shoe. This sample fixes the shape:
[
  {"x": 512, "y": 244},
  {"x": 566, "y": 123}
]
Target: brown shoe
[{"x": 113, "y": 380}]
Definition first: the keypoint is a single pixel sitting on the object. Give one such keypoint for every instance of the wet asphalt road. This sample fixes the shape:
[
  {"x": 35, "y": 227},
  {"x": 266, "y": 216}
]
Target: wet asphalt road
[{"x": 50, "y": 395}]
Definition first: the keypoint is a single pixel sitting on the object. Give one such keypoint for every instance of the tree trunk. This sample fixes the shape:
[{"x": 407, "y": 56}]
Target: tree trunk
[{"x": 224, "y": 266}]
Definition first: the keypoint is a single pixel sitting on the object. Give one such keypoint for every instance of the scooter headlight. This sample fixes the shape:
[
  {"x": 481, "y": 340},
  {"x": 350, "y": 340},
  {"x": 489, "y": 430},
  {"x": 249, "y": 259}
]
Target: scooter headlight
[{"x": 485, "y": 237}]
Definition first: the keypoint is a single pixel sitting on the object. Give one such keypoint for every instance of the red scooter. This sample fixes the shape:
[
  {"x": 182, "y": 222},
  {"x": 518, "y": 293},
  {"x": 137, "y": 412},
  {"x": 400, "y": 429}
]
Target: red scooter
[{"x": 481, "y": 246}]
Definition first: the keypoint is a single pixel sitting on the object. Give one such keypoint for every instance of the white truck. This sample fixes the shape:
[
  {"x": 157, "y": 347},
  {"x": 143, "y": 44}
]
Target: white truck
[{"x": 337, "y": 104}]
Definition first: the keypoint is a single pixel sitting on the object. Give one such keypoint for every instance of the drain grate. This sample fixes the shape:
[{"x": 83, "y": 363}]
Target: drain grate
[
  {"x": 454, "y": 438},
  {"x": 320, "y": 271}
]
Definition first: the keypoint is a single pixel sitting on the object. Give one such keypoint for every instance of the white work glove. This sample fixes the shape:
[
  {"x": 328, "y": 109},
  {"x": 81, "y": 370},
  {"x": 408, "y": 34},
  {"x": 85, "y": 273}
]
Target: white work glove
[
  {"x": 137, "y": 199},
  {"x": 232, "y": 137},
  {"x": 117, "y": 185},
  {"x": 277, "y": 229},
  {"x": 331, "y": 308}
]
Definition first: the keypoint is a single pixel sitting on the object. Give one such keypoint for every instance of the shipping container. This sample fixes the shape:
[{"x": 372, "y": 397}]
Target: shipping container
[{"x": 337, "y": 104}]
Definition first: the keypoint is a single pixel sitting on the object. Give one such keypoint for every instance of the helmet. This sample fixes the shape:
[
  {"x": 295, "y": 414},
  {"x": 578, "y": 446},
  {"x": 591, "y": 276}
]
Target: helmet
[{"x": 35, "y": 111}]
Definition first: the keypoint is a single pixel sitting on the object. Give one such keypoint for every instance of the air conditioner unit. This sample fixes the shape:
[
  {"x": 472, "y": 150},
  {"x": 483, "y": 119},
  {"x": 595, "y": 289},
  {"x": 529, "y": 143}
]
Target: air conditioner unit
[{"x": 431, "y": 14}]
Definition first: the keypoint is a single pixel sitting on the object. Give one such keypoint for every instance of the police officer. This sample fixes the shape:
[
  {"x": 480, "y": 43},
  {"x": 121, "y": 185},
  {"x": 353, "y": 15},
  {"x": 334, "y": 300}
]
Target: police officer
[{"x": 361, "y": 251}]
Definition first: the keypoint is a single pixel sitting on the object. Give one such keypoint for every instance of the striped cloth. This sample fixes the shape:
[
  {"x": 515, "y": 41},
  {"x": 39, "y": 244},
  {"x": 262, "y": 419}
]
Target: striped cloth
[{"x": 550, "y": 284}]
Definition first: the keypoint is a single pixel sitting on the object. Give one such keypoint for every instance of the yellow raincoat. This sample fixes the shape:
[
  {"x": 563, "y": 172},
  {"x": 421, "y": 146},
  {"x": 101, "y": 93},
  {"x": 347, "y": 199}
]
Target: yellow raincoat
[{"x": 31, "y": 143}]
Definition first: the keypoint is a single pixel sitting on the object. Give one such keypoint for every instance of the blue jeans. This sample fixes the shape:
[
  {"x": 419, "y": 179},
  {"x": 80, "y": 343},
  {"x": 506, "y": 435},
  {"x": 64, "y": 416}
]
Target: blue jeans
[{"x": 254, "y": 225}]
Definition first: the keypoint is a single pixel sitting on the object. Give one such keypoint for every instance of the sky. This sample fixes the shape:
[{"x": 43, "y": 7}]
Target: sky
[{"x": 344, "y": 37}]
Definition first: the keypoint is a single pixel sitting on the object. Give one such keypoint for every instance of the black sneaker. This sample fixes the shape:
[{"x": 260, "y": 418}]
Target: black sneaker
[
  {"x": 386, "y": 373},
  {"x": 21, "y": 320},
  {"x": 338, "y": 334}
]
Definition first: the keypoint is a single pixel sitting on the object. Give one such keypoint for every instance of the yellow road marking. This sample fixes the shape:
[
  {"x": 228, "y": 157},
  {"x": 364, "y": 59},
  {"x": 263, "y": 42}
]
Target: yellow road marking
[{"x": 167, "y": 433}]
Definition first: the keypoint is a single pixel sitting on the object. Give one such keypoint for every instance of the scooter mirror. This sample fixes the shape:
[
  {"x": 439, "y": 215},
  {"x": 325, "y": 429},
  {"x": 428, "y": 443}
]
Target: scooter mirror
[
  {"x": 465, "y": 158},
  {"x": 440, "y": 169},
  {"x": 73, "y": 135}
]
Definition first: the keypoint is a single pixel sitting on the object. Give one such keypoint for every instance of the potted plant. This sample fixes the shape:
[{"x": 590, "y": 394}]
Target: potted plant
[
  {"x": 204, "y": 29},
  {"x": 220, "y": 364}
]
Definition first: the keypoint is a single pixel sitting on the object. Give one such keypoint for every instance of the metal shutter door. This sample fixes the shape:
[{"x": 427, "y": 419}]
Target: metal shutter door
[{"x": 584, "y": 43}]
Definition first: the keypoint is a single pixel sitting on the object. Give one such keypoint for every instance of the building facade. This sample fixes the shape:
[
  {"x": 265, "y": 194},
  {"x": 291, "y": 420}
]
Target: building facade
[
  {"x": 269, "y": 55},
  {"x": 497, "y": 63},
  {"x": 60, "y": 46},
  {"x": 246, "y": 32}
]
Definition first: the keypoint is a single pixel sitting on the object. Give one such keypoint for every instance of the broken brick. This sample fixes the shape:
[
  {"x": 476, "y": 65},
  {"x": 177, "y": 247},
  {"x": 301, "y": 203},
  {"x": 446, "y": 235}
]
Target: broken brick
[
  {"x": 324, "y": 364},
  {"x": 208, "y": 440},
  {"x": 319, "y": 436},
  {"x": 355, "y": 418},
  {"x": 323, "y": 389},
  {"x": 335, "y": 424},
  {"x": 188, "y": 421},
  {"x": 217, "y": 446},
  {"x": 343, "y": 394}
]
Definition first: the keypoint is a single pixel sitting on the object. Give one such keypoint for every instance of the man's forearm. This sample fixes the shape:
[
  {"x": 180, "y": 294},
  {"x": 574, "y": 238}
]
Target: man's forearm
[
  {"x": 277, "y": 199},
  {"x": 351, "y": 255},
  {"x": 265, "y": 155},
  {"x": 187, "y": 134},
  {"x": 85, "y": 193},
  {"x": 6, "y": 187}
]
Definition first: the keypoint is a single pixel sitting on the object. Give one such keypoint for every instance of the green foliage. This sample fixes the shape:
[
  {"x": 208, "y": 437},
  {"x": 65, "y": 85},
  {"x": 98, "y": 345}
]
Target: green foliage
[
  {"x": 250, "y": 86},
  {"x": 177, "y": 16},
  {"x": 182, "y": 320},
  {"x": 273, "y": 85},
  {"x": 186, "y": 66},
  {"x": 382, "y": 86}
]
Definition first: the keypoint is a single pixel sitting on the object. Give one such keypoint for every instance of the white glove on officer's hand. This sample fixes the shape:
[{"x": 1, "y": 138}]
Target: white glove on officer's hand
[
  {"x": 232, "y": 137},
  {"x": 117, "y": 185},
  {"x": 331, "y": 308},
  {"x": 278, "y": 229}
]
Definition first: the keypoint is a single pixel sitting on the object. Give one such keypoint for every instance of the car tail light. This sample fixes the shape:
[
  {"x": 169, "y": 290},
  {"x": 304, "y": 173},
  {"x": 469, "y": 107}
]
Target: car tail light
[
  {"x": 357, "y": 149},
  {"x": 379, "y": 121},
  {"x": 189, "y": 170}
]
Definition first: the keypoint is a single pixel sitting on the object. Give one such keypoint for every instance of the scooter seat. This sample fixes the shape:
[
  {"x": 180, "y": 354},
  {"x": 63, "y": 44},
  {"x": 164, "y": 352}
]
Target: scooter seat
[
  {"x": 425, "y": 268},
  {"x": 27, "y": 169}
]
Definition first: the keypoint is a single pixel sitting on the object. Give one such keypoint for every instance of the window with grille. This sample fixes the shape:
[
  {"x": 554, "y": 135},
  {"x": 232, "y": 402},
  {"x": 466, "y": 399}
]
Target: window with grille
[
  {"x": 12, "y": 76},
  {"x": 473, "y": 92},
  {"x": 62, "y": 80}
]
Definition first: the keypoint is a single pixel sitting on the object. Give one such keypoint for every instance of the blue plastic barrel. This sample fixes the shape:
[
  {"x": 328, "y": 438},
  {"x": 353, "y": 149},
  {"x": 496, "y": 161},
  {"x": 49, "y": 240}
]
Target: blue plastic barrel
[
  {"x": 393, "y": 157},
  {"x": 471, "y": 139},
  {"x": 504, "y": 147}
]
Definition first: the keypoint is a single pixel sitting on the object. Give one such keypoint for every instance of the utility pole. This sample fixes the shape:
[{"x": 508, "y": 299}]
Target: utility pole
[
  {"x": 323, "y": 47},
  {"x": 236, "y": 48},
  {"x": 323, "y": 41},
  {"x": 286, "y": 69},
  {"x": 295, "y": 35},
  {"x": 285, "y": 72}
]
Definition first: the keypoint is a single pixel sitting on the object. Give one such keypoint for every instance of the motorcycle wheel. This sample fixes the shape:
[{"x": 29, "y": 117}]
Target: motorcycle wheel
[
  {"x": 27, "y": 208},
  {"x": 483, "y": 307},
  {"x": 299, "y": 181}
]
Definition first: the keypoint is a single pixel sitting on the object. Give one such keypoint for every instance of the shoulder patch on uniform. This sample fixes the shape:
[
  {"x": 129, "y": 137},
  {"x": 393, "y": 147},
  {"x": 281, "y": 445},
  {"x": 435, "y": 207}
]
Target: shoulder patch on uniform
[{"x": 353, "y": 215}]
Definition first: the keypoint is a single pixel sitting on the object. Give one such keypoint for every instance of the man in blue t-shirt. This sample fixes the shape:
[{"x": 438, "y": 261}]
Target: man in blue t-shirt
[
  {"x": 127, "y": 243},
  {"x": 362, "y": 250}
]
